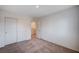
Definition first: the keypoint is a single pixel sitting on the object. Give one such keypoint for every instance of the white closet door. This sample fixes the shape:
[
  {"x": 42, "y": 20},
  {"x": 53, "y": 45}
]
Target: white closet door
[
  {"x": 24, "y": 29},
  {"x": 21, "y": 30},
  {"x": 1, "y": 31},
  {"x": 10, "y": 30}
]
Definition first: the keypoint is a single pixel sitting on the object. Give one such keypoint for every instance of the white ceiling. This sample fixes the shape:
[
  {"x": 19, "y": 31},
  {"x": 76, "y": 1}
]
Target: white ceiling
[{"x": 31, "y": 10}]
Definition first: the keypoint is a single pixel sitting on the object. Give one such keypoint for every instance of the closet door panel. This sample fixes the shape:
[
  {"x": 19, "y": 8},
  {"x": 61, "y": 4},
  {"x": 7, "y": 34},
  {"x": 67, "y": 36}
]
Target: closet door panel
[
  {"x": 10, "y": 30},
  {"x": 2, "y": 38},
  {"x": 24, "y": 30}
]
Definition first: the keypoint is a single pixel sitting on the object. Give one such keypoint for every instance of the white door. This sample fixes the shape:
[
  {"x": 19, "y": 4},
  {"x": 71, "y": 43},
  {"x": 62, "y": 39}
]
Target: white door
[
  {"x": 1, "y": 31},
  {"x": 10, "y": 30},
  {"x": 23, "y": 29}
]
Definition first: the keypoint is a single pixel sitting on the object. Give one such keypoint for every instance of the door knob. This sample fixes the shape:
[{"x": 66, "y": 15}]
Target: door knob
[{"x": 5, "y": 32}]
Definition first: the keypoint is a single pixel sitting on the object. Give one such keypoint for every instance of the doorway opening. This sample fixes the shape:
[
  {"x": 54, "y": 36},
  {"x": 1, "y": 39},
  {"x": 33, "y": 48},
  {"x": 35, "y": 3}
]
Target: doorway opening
[{"x": 33, "y": 30}]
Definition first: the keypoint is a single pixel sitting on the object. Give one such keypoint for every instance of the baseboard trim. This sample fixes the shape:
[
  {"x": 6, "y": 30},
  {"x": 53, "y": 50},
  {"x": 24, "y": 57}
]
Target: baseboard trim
[
  {"x": 2, "y": 46},
  {"x": 61, "y": 46}
]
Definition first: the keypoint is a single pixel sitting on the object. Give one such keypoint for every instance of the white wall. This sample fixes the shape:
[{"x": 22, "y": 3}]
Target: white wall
[
  {"x": 61, "y": 28},
  {"x": 23, "y": 27}
]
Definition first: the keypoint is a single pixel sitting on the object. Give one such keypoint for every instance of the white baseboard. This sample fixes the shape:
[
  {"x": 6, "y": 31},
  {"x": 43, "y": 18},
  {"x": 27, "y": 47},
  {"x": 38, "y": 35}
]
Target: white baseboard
[{"x": 2, "y": 46}]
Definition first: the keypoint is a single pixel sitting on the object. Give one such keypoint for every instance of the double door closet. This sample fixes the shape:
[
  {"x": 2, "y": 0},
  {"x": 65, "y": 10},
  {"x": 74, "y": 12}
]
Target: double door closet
[{"x": 13, "y": 30}]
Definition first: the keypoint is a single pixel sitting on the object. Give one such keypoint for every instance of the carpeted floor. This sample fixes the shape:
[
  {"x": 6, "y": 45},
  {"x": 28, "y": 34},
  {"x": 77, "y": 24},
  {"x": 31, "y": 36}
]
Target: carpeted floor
[{"x": 35, "y": 46}]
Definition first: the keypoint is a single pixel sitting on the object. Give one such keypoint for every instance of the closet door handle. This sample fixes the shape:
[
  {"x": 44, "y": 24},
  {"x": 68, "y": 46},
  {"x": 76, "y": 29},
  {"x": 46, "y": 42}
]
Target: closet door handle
[{"x": 5, "y": 32}]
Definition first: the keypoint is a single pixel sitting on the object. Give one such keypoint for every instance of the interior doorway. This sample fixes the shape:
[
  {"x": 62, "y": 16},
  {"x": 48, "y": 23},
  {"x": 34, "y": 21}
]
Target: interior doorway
[{"x": 33, "y": 30}]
